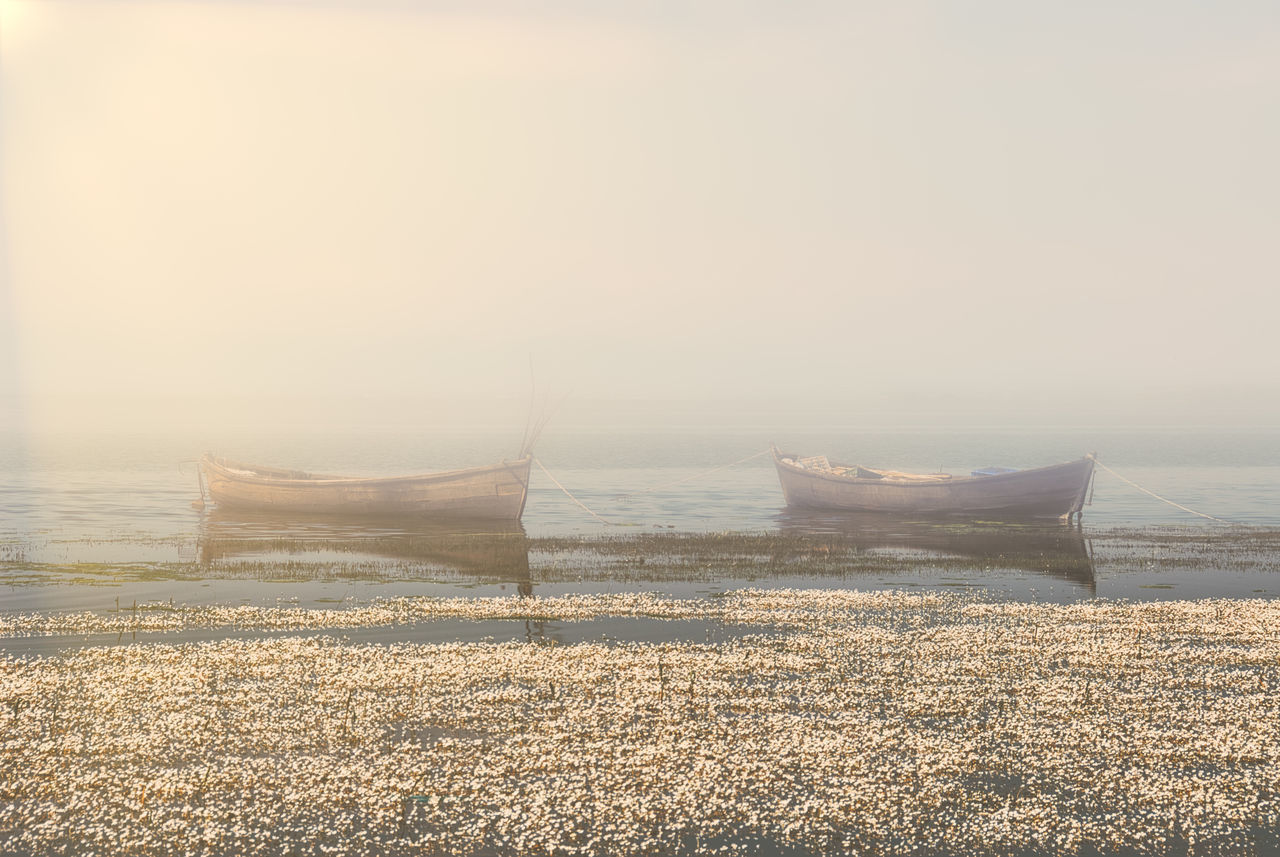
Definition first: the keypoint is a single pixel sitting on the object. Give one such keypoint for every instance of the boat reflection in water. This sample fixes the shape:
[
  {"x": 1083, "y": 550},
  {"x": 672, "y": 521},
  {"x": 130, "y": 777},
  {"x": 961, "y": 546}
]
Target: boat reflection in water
[
  {"x": 235, "y": 543},
  {"x": 807, "y": 548},
  {"x": 1055, "y": 551}
]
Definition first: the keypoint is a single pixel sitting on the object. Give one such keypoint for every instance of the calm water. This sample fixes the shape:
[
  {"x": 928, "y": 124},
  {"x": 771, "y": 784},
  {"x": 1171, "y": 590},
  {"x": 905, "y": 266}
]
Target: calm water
[{"x": 88, "y": 518}]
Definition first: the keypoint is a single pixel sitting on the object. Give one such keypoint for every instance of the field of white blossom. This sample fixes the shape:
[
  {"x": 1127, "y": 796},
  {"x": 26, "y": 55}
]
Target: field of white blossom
[{"x": 862, "y": 723}]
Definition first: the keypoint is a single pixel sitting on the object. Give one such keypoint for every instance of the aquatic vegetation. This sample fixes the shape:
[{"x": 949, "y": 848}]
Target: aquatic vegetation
[
  {"x": 378, "y": 612},
  {"x": 916, "y": 548},
  {"x": 878, "y": 723}
]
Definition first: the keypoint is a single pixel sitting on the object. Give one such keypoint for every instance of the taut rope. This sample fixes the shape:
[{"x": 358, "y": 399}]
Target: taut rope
[
  {"x": 580, "y": 504},
  {"x": 1158, "y": 497},
  {"x": 607, "y": 522}
]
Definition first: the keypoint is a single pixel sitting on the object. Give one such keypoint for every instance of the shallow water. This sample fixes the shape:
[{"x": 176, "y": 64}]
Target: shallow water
[
  {"x": 545, "y": 631},
  {"x": 88, "y": 519}
]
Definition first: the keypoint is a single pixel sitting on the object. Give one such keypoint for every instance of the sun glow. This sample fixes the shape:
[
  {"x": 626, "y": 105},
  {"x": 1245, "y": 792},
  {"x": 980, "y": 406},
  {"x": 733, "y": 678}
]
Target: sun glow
[{"x": 18, "y": 21}]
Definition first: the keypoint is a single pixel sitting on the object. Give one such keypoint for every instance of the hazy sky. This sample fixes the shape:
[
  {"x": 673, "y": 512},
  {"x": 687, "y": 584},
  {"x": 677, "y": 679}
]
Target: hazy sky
[{"x": 655, "y": 200}]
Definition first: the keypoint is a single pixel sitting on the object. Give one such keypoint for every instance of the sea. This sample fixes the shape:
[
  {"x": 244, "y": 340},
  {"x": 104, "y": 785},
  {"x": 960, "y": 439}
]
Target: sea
[{"x": 92, "y": 519}]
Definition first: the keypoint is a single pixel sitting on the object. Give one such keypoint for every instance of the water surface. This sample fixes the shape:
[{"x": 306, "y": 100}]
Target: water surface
[{"x": 91, "y": 521}]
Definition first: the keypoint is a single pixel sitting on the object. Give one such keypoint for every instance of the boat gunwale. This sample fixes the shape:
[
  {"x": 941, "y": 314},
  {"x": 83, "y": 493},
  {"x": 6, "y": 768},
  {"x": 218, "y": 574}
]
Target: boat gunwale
[
  {"x": 939, "y": 483},
  {"x": 252, "y": 474}
]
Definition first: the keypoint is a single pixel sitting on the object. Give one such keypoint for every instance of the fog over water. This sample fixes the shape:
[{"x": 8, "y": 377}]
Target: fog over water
[{"x": 374, "y": 214}]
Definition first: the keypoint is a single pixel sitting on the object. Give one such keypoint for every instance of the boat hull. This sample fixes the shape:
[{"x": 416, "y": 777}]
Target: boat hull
[
  {"x": 1057, "y": 491},
  {"x": 495, "y": 492}
]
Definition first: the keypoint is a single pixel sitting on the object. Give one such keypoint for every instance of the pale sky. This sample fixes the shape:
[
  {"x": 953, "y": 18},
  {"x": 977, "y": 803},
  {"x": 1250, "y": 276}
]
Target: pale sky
[{"x": 655, "y": 200}]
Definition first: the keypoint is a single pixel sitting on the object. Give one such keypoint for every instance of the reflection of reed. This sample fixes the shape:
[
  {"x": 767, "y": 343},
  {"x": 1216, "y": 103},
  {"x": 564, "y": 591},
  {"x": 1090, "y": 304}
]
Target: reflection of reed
[{"x": 232, "y": 542}]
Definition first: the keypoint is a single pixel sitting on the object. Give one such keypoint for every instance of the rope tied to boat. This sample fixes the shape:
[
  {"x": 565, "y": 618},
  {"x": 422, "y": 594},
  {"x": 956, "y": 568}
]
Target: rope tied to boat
[
  {"x": 1162, "y": 499},
  {"x": 204, "y": 494},
  {"x": 579, "y": 503}
]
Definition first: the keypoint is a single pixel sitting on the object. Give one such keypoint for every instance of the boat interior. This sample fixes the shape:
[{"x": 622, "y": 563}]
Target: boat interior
[{"x": 820, "y": 464}]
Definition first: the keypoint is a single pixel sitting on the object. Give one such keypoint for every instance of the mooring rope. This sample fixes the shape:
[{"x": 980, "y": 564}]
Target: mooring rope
[
  {"x": 204, "y": 498},
  {"x": 607, "y": 522},
  {"x": 1163, "y": 499},
  {"x": 581, "y": 505},
  {"x": 695, "y": 476}
]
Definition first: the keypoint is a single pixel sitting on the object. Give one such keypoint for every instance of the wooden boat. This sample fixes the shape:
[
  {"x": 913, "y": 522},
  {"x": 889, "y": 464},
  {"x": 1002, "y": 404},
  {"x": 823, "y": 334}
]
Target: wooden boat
[
  {"x": 1058, "y": 490},
  {"x": 494, "y": 492}
]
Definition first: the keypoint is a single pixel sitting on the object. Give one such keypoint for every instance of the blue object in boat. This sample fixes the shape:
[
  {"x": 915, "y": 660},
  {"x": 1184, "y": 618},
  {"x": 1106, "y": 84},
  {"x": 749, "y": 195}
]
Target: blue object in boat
[{"x": 993, "y": 471}]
